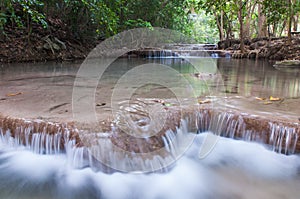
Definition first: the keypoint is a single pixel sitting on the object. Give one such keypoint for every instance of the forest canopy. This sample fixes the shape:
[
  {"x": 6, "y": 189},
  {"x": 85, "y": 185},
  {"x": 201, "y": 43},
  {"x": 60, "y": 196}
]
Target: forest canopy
[{"x": 206, "y": 20}]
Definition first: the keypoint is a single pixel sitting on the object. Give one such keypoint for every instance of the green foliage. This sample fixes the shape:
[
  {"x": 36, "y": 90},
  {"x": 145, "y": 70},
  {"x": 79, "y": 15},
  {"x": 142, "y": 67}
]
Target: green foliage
[
  {"x": 137, "y": 23},
  {"x": 104, "y": 18},
  {"x": 275, "y": 11},
  {"x": 204, "y": 29},
  {"x": 3, "y": 20},
  {"x": 31, "y": 11},
  {"x": 32, "y": 8},
  {"x": 224, "y": 12},
  {"x": 278, "y": 12},
  {"x": 4, "y": 17},
  {"x": 101, "y": 18}
]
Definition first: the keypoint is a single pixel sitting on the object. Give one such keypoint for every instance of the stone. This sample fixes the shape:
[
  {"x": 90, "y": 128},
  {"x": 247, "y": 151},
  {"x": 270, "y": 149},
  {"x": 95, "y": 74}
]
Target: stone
[
  {"x": 267, "y": 48},
  {"x": 253, "y": 46},
  {"x": 253, "y": 54},
  {"x": 288, "y": 64},
  {"x": 260, "y": 128}
]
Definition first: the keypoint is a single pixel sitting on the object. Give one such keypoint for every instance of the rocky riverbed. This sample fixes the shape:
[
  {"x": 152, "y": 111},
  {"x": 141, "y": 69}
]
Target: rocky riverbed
[{"x": 264, "y": 48}]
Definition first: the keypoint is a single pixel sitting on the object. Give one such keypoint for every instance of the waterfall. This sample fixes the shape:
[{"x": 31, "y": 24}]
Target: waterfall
[
  {"x": 40, "y": 159},
  {"x": 283, "y": 139},
  {"x": 51, "y": 138}
]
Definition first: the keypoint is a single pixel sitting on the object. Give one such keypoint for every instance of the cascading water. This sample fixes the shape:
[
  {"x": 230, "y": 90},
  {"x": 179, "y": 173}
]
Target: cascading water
[
  {"x": 283, "y": 139},
  {"x": 190, "y": 50},
  {"x": 37, "y": 162},
  {"x": 27, "y": 175}
]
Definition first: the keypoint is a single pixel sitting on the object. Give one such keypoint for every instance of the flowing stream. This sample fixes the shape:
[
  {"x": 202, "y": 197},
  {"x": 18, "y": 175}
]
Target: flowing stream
[{"x": 46, "y": 168}]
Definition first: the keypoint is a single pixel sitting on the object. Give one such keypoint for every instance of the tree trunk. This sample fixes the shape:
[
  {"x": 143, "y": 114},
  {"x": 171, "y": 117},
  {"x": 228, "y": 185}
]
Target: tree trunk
[
  {"x": 296, "y": 21},
  {"x": 262, "y": 31},
  {"x": 290, "y": 16},
  {"x": 282, "y": 28},
  {"x": 220, "y": 25},
  {"x": 228, "y": 29},
  {"x": 295, "y": 16},
  {"x": 247, "y": 28},
  {"x": 241, "y": 21},
  {"x": 250, "y": 6},
  {"x": 274, "y": 29}
]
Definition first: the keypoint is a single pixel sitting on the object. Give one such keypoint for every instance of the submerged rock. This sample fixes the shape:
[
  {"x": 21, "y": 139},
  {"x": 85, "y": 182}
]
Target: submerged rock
[{"x": 287, "y": 64}]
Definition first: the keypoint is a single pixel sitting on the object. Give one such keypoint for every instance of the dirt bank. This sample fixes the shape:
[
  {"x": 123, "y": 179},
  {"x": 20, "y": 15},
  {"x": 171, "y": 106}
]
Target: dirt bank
[{"x": 53, "y": 43}]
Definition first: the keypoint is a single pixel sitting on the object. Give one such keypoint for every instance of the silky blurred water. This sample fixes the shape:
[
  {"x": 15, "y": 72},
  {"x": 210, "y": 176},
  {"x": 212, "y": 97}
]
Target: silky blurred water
[{"x": 234, "y": 169}]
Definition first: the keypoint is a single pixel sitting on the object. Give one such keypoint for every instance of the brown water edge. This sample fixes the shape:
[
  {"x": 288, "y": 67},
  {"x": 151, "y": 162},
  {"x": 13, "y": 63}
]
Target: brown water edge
[{"x": 280, "y": 134}]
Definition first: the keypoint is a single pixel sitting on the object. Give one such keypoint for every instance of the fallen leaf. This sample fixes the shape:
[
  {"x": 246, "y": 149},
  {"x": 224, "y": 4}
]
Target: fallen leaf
[
  {"x": 274, "y": 98},
  {"x": 204, "y": 101},
  {"x": 260, "y": 98},
  {"x": 13, "y": 94}
]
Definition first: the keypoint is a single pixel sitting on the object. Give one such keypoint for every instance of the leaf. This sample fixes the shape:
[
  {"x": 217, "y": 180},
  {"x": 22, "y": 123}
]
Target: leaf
[
  {"x": 206, "y": 101},
  {"x": 274, "y": 98},
  {"x": 14, "y": 94},
  {"x": 260, "y": 98}
]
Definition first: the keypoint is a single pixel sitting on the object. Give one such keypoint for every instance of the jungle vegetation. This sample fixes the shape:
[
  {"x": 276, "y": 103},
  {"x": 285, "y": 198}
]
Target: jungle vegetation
[{"x": 206, "y": 20}]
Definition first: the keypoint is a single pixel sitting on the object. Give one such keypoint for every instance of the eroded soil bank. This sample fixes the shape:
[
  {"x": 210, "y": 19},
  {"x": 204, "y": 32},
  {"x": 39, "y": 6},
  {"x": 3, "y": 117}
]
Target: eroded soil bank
[{"x": 54, "y": 43}]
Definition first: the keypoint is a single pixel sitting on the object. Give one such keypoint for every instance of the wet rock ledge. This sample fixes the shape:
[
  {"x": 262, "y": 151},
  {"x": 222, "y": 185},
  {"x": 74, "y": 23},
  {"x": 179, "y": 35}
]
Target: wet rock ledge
[
  {"x": 278, "y": 135},
  {"x": 287, "y": 64}
]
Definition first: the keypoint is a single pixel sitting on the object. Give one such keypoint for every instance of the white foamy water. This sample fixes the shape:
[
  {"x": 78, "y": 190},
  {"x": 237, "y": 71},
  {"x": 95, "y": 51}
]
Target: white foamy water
[{"x": 234, "y": 169}]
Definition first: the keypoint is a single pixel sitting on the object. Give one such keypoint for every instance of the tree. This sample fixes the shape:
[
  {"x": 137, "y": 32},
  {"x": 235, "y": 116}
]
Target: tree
[
  {"x": 222, "y": 12},
  {"x": 262, "y": 26},
  {"x": 219, "y": 7},
  {"x": 280, "y": 15},
  {"x": 241, "y": 21},
  {"x": 103, "y": 18}
]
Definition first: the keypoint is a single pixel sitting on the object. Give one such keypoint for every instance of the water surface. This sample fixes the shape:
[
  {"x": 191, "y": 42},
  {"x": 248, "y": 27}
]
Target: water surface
[{"x": 234, "y": 169}]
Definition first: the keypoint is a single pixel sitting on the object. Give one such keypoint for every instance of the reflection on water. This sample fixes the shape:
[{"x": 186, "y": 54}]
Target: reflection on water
[
  {"x": 242, "y": 77},
  {"x": 51, "y": 69},
  {"x": 258, "y": 78}
]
